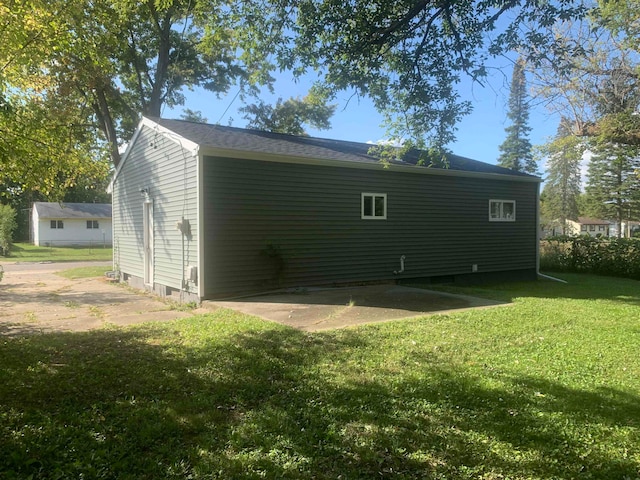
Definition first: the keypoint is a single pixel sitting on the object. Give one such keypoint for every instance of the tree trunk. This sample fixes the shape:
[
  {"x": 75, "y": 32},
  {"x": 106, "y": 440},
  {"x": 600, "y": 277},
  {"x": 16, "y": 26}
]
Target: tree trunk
[
  {"x": 154, "y": 107},
  {"x": 101, "y": 108}
]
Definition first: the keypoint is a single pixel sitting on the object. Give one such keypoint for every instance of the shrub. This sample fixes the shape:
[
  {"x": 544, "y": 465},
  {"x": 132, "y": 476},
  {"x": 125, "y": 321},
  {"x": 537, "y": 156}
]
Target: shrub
[
  {"x": 618, "y": 257},
  {"x": 7, "y": 226}
]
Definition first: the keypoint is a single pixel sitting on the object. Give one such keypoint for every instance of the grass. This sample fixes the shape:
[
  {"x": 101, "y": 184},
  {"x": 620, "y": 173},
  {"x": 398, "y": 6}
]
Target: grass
[
  {"x": 83, "y": 272},
  {"x": 25, "y": 252},
  {"x": 548, "y": 388}
]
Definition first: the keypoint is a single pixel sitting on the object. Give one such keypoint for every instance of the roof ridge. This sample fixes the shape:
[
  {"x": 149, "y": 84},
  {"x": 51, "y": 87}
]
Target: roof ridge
[{"x": 254, "y": 141}]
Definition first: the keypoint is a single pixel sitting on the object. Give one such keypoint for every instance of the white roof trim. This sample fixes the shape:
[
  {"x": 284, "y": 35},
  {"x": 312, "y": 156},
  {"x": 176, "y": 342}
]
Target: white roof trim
[{"x": 185, "y": 143}]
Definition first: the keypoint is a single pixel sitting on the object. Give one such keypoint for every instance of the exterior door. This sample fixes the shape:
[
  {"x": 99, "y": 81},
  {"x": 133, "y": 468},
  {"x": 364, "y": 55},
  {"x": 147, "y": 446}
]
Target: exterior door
[{"x": 148, "y": 243}]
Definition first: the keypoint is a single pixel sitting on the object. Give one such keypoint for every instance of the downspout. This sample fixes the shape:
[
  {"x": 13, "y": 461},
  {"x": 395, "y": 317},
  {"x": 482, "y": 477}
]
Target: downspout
[
  {"x": 541, "y": 275},
  {"x": 396, "y": 272},
  {"x": 538, "y": 229},
  {"x": 182, "y": 261}
]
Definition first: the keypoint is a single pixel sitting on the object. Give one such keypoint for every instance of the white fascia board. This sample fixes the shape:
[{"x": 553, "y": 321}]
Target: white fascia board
[
  {"x": 200, "y": 219},
  {"x": 190, "y": 146},
  {"x": 414, "y": 169}
]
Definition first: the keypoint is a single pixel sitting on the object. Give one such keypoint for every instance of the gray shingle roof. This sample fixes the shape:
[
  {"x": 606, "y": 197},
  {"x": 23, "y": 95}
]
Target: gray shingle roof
[
  {"x": 73, "y": 210},
  {"x": 592, "y": 221},
  {"x": 255, "y": 141}
]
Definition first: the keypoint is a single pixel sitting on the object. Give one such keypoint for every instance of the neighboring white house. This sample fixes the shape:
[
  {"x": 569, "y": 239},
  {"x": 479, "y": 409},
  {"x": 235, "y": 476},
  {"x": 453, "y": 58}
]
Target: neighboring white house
[
  {"x": 629, "y": 229},
  {"x": 589, "y": 226},
  {"x": 60, "y": 224}
]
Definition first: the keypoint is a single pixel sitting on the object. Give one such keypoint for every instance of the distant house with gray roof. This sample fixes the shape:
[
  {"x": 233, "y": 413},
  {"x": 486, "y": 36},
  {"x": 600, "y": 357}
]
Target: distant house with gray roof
[
  {"x": 593, "y": 227},
  {"x": 66, "y": 224},
  {"x": 206, "y": 211}
]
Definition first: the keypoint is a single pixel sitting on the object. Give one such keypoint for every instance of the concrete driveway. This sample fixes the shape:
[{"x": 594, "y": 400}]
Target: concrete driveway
[
  {"x": 33, "y": 299},
  {"x": 316, "y": 309}
]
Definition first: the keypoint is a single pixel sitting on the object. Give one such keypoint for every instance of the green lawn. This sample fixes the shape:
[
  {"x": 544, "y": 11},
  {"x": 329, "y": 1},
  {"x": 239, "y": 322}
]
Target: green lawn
[
  {"x": 25, "y": 252},
  {"x": 548, "y": 388},
  {"x": 83, "y": 272}
]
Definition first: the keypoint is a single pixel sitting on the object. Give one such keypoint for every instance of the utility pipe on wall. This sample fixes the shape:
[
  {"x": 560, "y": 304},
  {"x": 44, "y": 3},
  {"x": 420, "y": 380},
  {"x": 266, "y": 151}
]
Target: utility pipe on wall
[{"x": 401, "y": 265}]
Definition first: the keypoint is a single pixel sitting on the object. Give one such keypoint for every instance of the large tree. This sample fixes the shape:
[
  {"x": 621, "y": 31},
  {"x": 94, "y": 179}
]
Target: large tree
[
  {"x": 290, "y": 116},
  {"x": 592, "y": 76},
  {"x": 594, "y": 79},
  {"x": 45, "y": 146},
  {"x": 613, "y": 170},
  {"x": 516, "y": 152},
  {"x": 563, "y": 183},
  {"x": 612, "y": 185},
  {"x": 408, "y": 56},
  {"x": 118, "y": 59}
]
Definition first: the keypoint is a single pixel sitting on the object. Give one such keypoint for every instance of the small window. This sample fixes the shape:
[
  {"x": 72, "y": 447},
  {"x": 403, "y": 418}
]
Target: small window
[
  {"x": 583, "y": 228},
  {"x": 374, "y": 206},
  {"x": 92, "y": 224},
  {"x": 58, "y": 224},
  {"x": 502, "y": 211},
  {"x": 601, "y": 228},
  {"x": 592, "y": 228}
]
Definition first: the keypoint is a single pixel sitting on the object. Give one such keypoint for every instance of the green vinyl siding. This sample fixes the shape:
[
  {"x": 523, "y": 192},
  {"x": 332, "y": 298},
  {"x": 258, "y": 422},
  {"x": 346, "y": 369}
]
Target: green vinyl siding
[
  {"x": 170, "y": 173},
  {"x": 270, "y": 225}
]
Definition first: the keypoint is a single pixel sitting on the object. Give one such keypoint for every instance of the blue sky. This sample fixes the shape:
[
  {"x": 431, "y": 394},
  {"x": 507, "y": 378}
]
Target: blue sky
[{"x": 479, "y": 134}]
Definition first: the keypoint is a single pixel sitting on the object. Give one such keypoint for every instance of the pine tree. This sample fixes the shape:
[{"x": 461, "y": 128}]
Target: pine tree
[
  {"x": 613, "y": 182},
  {"x": 613, "y": 185},
  {"x": 516, "y": 151},
  {"x": 562, "y": 186}
]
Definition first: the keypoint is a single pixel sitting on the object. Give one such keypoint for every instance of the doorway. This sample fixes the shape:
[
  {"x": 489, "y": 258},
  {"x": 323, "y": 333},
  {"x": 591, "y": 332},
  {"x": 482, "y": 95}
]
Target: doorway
[{"x": 148, "y": 243}]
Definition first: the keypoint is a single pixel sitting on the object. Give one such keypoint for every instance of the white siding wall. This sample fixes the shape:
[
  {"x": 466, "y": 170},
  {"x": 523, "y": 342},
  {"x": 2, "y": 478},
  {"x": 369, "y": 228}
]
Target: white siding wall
[
  {"x": 169, "y": 172},
  {"x": 75, "y": 232}
]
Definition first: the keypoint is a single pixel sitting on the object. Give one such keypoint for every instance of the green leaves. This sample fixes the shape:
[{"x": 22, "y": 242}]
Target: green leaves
[
  {"x": 613, "y": 182},
  {"x": 7, "y": 226},
  {"x": 290, "y": 116},
  {"x": 563, "y": 182},
  {"x": 110, "y": 61},
  {"x": 47, "y": 147},
  {"x": 407, "y": 56},
  {"x": 516, "y": 151},
  {"x": 619, "y": 257}
]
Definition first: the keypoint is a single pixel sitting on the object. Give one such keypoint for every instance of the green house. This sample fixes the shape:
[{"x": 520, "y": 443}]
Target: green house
[{"x": 205, "y": 211}]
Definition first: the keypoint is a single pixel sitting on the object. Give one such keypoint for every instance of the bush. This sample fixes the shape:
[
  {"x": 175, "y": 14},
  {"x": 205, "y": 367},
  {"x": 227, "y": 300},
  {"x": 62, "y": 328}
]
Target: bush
[
  {"x": 619, "y": 257},
  {"x": 7, "y": 226}
]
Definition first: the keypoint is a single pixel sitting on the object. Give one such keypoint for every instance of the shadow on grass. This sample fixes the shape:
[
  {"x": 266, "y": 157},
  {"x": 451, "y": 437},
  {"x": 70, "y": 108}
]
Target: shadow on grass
[{"x": 270, "y": 402}]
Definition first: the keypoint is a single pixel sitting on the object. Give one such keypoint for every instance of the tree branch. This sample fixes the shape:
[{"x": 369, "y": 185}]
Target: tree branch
[
  {"x": 136, "y": 64},
  {"x": 381, "y": 37}
]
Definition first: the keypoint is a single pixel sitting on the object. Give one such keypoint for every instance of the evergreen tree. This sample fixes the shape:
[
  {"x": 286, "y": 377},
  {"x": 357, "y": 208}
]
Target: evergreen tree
[
  {"x": 613, "y": 172},
  {"x": 562, "y": 188},
  {"x": 613, "y": 182},
  {"x": 516, "y": 151}
]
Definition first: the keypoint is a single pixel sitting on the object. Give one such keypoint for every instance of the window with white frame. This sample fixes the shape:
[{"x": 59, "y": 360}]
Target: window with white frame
[
  {"x": 374, "y": 206},
  {"x": 58, "y": 224},
  {"x": 502, "y": 210},
  {"x": 92, "y": 224}
]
